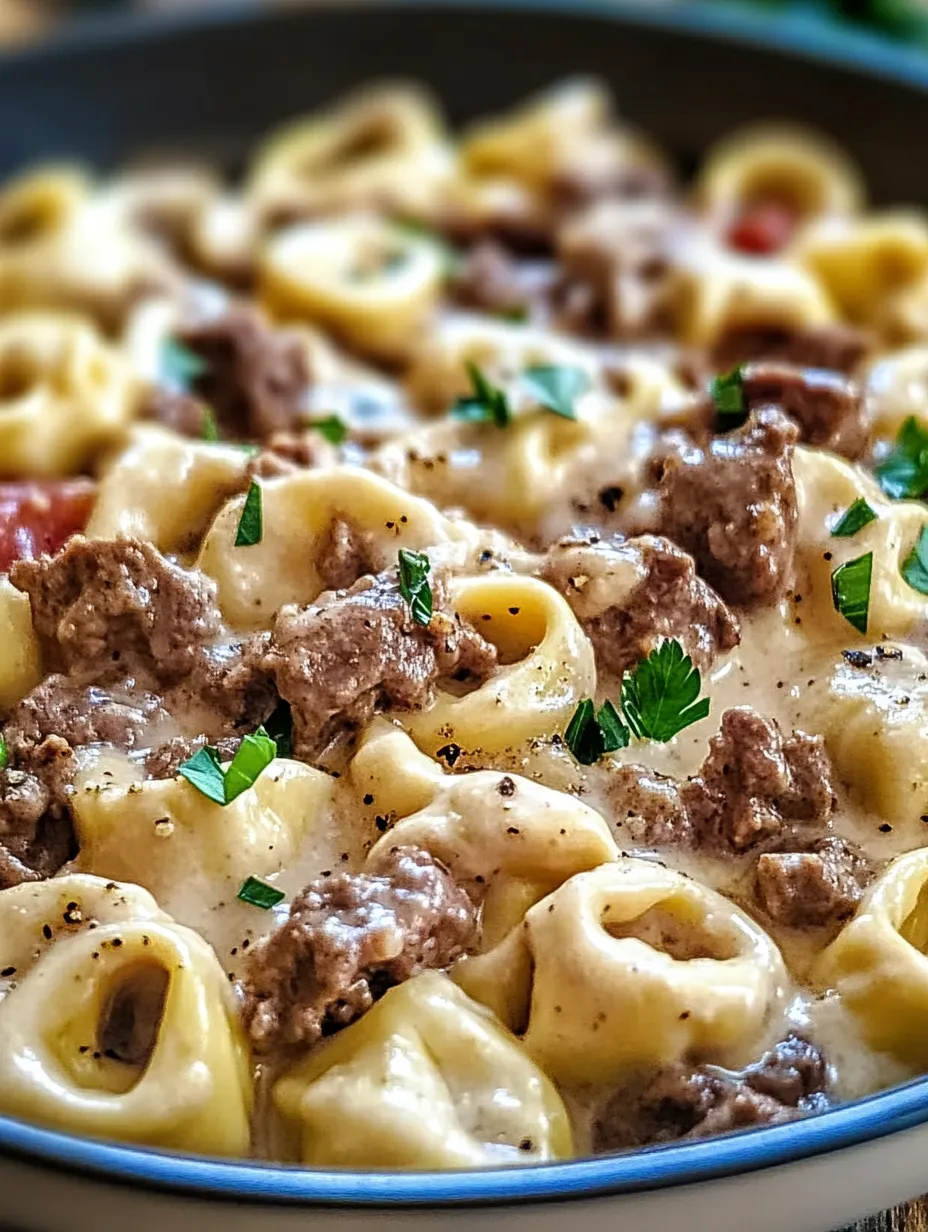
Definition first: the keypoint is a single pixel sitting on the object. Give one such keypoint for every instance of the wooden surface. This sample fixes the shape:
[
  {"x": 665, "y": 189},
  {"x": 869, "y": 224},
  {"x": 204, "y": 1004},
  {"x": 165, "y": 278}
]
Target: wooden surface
[{"x": 911, "y": 1218}]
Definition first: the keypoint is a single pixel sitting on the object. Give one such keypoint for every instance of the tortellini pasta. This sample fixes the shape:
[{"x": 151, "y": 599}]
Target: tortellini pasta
[
  {"x": 164, "y": 835},
  {"x": 484, "y": 826},
  {"x": 131, "y": 497},
  {"x": 826, "y": 486},
  {"x": 21, "y": 662},
  {"x": 545, "y": 667},
  {"x": 370, "y": 283},
  {"x": 64, "y": 394},
  {"x": 875, "y": 723},
  {"x": 299, "y": 512},
  {"x": 878, "y": 963},
  {"x": 627, "y": 966},
  {"x": 896, "y": 387},
  {"x": 117, "y": 1022},
  {"x": 792, "y": 167},
  {"x": 381, "y": 148},
  {"x": 427, "y": 1079}
]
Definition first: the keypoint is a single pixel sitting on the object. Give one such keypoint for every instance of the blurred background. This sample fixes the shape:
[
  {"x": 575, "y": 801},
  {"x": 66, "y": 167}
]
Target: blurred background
[{"x": 897, "y": 19}]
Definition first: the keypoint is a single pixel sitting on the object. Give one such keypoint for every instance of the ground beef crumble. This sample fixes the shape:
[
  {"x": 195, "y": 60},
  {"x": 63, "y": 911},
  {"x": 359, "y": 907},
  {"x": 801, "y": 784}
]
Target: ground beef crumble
[
  {"x": 349, "y": 938},
  {"x": 356, "y": 652},
  {"x": 685, "y": 1102}
]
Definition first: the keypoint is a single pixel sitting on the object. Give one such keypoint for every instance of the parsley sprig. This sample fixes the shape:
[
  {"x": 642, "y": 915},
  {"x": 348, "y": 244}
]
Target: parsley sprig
[
  {"x": 205, "y": 772},
  {"x": 258, "y": 893},
  {"x": 850, "y": 590},
  {"x": 915, "y": 566},
  {"x": 4, "y": 753},
  {"x": 659, "y": 694},
  {"x": 486, "y": 404},
  {"x": 414, "y": 569},
  {"x": 556, "y": 387},
  {"x": 904, "y": 472},
  {"x": 727, "y": 390},
  {"x": 180, "y": 367},
  {"x": 251, "y": 523},
  {"x": 855, "y": 518},
  {"x": 660, "y": 697},
  {"x": 331, "y": 428},
  {"x": 591, "y": 732}
]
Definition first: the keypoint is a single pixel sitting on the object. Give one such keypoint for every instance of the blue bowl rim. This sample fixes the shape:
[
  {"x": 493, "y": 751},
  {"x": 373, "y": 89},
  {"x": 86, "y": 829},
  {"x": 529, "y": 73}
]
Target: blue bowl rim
[{"x": 796, "y": 34}]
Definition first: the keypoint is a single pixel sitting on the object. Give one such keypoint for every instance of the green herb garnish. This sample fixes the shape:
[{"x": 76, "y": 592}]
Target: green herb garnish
[
  {"x": 280, "y": 729},
  {"x": 556, "y": 387},
  {"x": 487, "y": 403},
  {"x": 332, "y": 428},
  {"x": 210, "y": 429},
  {"x": 4, "y": 753},
  {"x": 251, "y": 523},
  {"x": 915, "y": 566},
  {"x": 204, "y": 769},
  {"x": 659, "y": 694},
  {"x": 850, "y": 590},
  {"x": 591, "y": 733},
  {"x": 855, "y": 518},
  {"x": 180, "y": 366},
  {"x": 904, "y": 472},
  {"x": 727, "y": 392},
  {"x": 258, "y": 893},
  {"x": 414, "y": 568}
]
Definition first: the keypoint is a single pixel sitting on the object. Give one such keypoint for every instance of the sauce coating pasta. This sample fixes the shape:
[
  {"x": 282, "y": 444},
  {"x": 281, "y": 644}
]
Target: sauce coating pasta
[{"x": 465, "y": 696}]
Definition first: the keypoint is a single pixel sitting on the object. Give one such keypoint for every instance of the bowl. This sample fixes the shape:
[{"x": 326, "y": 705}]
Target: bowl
[{"x": 213, "y": 83}]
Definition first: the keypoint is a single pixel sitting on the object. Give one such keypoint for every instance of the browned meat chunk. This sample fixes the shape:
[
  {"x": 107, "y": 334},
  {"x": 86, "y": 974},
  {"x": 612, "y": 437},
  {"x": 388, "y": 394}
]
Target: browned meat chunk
[
  {"x": 754, "y": 782},
  {"x": 616, "y": 269},
  {"x": 732, "y": 504},
  {"x": 36, "y": 835},
  {"x": 98, "y": 603},
  {"x": 806, "y": 889},
  {"x": 349, "y": 938},
  {"x": 286, "y": 452},
  {"x": 81, "y": 715},
  {"x": 172, "y": 408},
  {"x": 343, "y": 555},
  {"x": 354, "y": 653},
  {"x": 646, "y": 807},
  {"x": 254, "y": 378},
  {"x": 631, "y": 595},
  {"x": 490, "y": 279},
  {"x": 828, "y": 408},
  {"x": 834, "y": 348},
  {"x": 681, "y": 1102}
]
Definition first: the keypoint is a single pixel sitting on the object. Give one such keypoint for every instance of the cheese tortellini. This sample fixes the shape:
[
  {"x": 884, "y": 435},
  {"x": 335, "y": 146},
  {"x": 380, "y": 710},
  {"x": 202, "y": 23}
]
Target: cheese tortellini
[
  {"x": 627, "y": 966},
  {"x": 165, "y": 835},
  {"x": 878, "y": 963},
  {"x": 118, "y": 1022},
  {"x": 427, "y": 1079}
]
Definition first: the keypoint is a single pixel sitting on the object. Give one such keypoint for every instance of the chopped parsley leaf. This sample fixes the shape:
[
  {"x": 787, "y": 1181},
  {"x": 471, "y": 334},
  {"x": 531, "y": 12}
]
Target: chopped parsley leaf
[
  {"x": 4, "y": 753},
  {"x": 850, "y": 590},
  {"x": 915, "y": 566},
  {"x": 180, "y": 366},
  {"x": 727, "y": 390},
  {"x": 210, "y": 429},
  {"x": 659, "y": 694},
  {"x": 414, "y": 568},
  {"x": 855, "y": 518},
  {"x": 591, "y": 733},
  {"x": 487, "y": 404},
  {"x": 204, "y": 769},
  {"x": 332, "y": 428},
  {"x": 258, "y": 893},
  {"x": 904, "y": 472},
  {"x": 251, "y": 523},
  {"x": 556, "y": 387}
]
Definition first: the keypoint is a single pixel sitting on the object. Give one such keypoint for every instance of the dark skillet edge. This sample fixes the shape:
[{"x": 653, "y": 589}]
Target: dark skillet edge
[
  {"x": 897, "y": 1110},
  {"x": 666, "y": 1167},
  {"x": 806, "y": 36}
]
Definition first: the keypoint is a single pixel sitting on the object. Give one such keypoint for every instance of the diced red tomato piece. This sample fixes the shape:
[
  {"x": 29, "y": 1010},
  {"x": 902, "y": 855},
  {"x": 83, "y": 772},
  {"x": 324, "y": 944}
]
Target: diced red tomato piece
[
  {"x": 37, "y": 517},
  {"x": 762, "y": 228}
]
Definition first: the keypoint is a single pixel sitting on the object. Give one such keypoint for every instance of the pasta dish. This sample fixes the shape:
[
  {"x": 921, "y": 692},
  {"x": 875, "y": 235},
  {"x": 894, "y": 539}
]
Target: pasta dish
[{"x": 465, "y": 697}]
